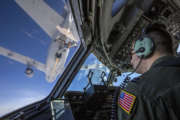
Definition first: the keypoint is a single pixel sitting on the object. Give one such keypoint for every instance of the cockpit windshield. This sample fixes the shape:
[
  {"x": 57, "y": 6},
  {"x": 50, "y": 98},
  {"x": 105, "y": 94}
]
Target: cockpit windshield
[{"x": 38, "y": 40}]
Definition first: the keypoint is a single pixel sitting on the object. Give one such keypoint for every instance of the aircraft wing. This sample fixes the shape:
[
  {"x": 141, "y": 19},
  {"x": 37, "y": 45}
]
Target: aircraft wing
[
  {"x": 66, "y": 32},
  {"x": 48, "y": 19},
  {"x": 61, "y": 64},
  {"x": 42, "y": 14},
  {"x": 22, "y": 59},
  {"x": 58, "y": 66}
]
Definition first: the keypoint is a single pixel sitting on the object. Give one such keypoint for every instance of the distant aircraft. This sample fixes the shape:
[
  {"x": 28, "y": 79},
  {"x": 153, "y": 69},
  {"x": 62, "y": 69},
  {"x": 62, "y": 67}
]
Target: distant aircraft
[{"x": 62, "y": 39}]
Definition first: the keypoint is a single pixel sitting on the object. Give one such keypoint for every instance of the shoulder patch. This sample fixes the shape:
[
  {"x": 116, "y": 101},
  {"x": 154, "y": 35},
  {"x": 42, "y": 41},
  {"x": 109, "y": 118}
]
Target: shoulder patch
[{"x": 126, "y": 101}]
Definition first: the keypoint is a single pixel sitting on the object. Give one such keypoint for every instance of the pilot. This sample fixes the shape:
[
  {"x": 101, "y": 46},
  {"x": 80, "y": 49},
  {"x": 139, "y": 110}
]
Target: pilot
[{"x": 156, "y": 94}]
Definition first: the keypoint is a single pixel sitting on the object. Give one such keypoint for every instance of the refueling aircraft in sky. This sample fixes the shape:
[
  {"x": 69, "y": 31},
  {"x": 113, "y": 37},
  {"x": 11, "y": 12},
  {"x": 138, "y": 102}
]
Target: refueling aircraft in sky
[{"x": 58, "y": 29}]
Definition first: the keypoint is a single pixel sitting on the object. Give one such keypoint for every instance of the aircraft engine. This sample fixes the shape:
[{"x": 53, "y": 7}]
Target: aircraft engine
[{"x": 29, "y": 72}]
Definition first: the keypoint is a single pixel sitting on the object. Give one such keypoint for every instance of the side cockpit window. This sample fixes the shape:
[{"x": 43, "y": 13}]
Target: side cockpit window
[{"x": 91, "y": 72}]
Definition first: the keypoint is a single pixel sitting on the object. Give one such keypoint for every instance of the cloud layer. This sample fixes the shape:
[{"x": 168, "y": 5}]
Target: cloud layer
[{"x": 21, "y": 99}]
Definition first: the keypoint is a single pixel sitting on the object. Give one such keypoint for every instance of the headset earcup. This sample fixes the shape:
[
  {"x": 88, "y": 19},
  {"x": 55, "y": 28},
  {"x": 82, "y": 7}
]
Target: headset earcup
[{"x": 144, "y": 47}]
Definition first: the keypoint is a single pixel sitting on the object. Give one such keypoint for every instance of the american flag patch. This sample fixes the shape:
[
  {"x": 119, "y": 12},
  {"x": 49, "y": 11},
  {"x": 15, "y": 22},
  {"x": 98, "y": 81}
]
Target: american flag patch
[{"x": 126, "y": 101}]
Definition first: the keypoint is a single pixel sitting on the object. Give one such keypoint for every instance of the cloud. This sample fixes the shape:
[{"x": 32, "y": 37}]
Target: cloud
[{"x": 21, "y": 99}]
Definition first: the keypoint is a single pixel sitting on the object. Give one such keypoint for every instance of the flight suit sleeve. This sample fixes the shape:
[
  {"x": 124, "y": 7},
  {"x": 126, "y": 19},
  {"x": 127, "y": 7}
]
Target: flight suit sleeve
[
  {"x": 145, "y": 109},
  {"x": 148, "y": 109}
]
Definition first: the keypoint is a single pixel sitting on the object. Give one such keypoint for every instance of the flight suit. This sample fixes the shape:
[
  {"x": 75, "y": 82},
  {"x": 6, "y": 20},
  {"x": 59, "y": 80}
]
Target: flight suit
[{"x": 155, "y": 95}]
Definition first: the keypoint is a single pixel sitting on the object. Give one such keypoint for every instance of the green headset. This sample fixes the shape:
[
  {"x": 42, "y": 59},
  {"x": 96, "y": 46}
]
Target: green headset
[{"x": 144, "y": 46}]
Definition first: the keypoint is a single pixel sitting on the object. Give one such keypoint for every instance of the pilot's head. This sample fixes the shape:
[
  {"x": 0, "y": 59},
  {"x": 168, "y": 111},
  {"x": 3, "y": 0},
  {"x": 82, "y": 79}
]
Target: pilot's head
[{"x": 154, "y": 43}]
